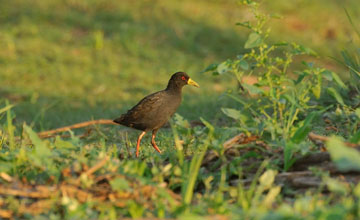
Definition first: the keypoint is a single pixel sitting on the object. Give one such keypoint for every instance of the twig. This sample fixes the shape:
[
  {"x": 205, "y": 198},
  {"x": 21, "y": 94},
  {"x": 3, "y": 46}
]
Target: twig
[
  {"x": 5, "y": 213},
  {"x": 93, "y": 169},
  {"x": 6, "y": 176},
  {"x": 97, "y": 166},
  {"x": 25, "y": 193},
  {"x": 294, "y": 174},
  {"x": 85, "y": 134},
  {"x": 74, "y": 192},
  {"x": 49, "y": 133},
  {"x": 313, "y": 136},
  {"x": 238, "y": 139},
  {"x": 314, "y": 158},
  {"x": 232, "y": 141},
  {"x": 36, "y": 207}
]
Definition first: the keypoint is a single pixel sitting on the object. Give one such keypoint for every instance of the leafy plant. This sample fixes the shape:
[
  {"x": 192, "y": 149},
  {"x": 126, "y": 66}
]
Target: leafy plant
[
  {"x": 282, "y": 95},
  {"x": 352, "y": 60},
  {"x": 346, "y": 159}
]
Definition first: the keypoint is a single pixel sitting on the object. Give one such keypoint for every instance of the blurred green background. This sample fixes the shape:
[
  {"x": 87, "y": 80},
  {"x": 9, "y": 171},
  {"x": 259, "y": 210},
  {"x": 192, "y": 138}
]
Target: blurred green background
[{"x": 66, "y": 61}]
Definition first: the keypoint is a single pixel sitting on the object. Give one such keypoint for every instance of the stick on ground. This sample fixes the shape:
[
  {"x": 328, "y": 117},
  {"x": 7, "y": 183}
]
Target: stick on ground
[
  {"x": 313, "y": 136},
  {"x": 93, "y": 169},
  {"x": 49, "y": 133}
]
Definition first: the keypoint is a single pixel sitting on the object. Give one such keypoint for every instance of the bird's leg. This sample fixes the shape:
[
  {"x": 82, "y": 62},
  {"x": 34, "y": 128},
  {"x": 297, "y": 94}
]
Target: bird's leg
[
  {"x": 138, "y": 143},
  {"x": 153, "y": 140}
]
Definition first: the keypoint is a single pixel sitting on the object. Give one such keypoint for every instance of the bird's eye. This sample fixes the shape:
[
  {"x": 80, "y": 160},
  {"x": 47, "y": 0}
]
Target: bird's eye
[{"x": 183, "y": 78}]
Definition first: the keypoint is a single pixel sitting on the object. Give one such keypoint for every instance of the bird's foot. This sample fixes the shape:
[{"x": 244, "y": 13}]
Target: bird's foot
[{"x": 156, "y": 148}]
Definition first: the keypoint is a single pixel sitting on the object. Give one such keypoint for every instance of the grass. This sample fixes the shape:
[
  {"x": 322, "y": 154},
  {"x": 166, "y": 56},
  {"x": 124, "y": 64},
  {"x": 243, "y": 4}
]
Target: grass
[
  {"x": 63, "y": 62},
  {"x": 85, "y": 54}
]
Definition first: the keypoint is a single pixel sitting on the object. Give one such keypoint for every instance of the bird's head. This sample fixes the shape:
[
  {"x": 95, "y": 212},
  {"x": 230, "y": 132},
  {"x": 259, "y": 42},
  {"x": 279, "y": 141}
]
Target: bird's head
[{"x": 180, "y": 79}]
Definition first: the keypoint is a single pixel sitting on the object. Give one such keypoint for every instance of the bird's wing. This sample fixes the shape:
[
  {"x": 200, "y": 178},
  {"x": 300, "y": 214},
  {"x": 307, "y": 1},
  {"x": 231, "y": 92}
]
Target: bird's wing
[
  {"x": 142, "y": 110},
  {"x": 146, "y": 105},
  {"x": 151, "y": 112}
]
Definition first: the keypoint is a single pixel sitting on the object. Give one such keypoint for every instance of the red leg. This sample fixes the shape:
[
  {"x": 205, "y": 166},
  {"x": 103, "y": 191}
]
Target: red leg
[
  {"x": 138, "y": 143},
  {"x": 153, "y": 141}
]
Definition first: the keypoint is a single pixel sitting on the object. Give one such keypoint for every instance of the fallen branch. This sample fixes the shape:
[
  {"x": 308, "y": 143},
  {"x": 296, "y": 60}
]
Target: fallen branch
[
  {"x": 315, "y": 137},
  {"x": 36, "y": 208},
  {"x": 93, "y": 169},
  {"x": 313, "y": 159},
  {"x": 6, "y": 176},
  {"x": 39, "y": 193},
  {"x": 50, "y": 133},
  {"x": 5, "y": 213},
  {"x": 236, "y": 140}
]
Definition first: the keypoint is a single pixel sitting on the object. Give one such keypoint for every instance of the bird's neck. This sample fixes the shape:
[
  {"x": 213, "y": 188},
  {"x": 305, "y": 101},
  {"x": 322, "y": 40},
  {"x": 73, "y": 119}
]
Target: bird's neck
[{"x": 174, "y": 88}]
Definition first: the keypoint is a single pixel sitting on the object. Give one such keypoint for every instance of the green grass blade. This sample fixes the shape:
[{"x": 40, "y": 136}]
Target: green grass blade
[
  {"x": 6, "y": 108},
  {"x": 251, "y": 191},
  {"x": 194, "y": 171},
  {"x": 196, "y": 163},
  {"x": 178, "y": 145},
  {"x": 351, "y": 22},
  {"x": 10, "y": 126}
]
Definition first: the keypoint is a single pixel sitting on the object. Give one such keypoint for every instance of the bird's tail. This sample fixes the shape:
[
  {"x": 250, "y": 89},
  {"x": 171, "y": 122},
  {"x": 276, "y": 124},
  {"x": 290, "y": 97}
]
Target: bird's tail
[{"x": 119, "y": 120}]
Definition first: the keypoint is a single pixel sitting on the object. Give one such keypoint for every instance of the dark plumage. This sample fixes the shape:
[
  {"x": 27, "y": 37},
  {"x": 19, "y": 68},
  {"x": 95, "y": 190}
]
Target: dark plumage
[{"x": 153, "y": 111}]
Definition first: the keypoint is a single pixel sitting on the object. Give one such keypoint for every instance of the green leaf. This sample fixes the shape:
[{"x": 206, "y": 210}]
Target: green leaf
[
  {"x": 338, "y": 80},
  {"x": 136, "y": 210},
  {"x": 254, "y": 40},
  {"x": 291, "y": 99},
  {"x": 281, "y": 44},
  {"x": 268, "y": 178},
  {"x": 41, "y": 155},
  {"x": 353, "y": 24},
  {"x": 345, "y": 158},
  {"x": 10, "y": 126},
  {"x": 300, "y": 78},
  {"x": 59, "y": 143},
  {"x": 208, "y": 125},
  {"x": 244, "y": 65},
  {"x": 336, "y": 186},
  {"x": 232, "y": 113},
  {"x": 211, "y": 67},
  {"x": 300, "y": 49},
  {"x": 277, "y": 16},
  {"x": 195, "y": 164},
  {"x": 316, "y": 90},
  {"x": 244, "y": 24},
  {"x": 355, "y": 138},
  {"x": 253, "y": 89},
  {"x": 119, "y": 184},
  {"x": 357, "y": 112},
  {"x": 180, "y": 121},
  {"x": 271, "y": 196},
  {"x": 303, "y": 131},
  {"x": 288, "y": 155},
  {"x": 327, "y": 75},
  {"x": 223, "y": 67},
  {"x": 334, "y": 93},
  {"x": 357, "y": 190},
  {"x": 99, "y": 39},
  {"x": 6, "y": 108}
]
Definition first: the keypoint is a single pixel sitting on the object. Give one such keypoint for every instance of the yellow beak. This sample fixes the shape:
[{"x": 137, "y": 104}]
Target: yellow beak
[{"x": 192, "y": 82}]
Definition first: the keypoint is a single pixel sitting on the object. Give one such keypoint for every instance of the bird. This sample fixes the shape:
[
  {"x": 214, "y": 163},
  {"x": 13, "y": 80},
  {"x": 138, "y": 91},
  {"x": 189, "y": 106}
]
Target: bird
[{"x": 153, "y": 111}]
